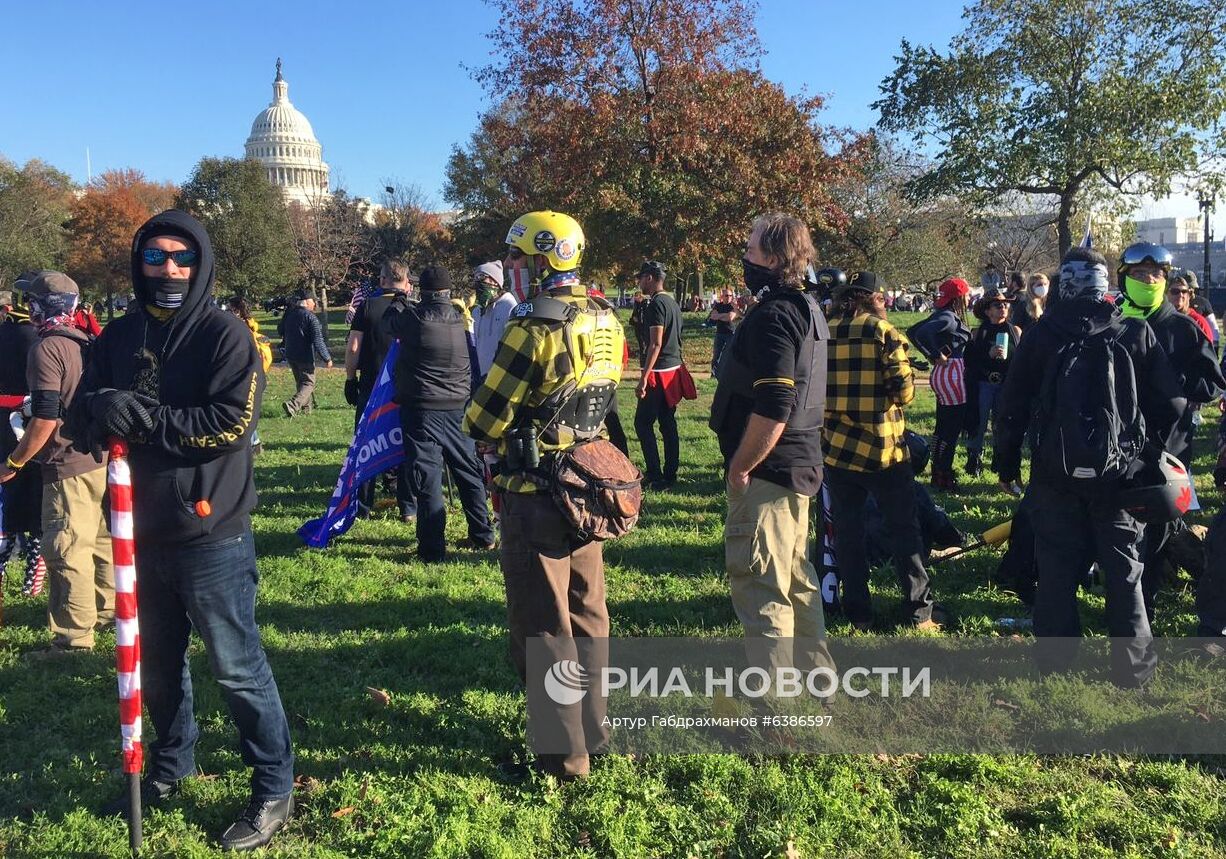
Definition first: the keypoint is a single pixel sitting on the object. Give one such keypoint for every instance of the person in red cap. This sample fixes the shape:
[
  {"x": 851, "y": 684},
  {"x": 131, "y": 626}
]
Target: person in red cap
[{"x": 941, "y": 338}]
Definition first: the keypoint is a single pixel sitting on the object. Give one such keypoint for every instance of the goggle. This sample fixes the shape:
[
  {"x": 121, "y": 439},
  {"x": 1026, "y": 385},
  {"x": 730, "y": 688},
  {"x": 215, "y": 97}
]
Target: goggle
[
  {"x": 157, "y": 256},
  {"x": 1147, "y": 252}
]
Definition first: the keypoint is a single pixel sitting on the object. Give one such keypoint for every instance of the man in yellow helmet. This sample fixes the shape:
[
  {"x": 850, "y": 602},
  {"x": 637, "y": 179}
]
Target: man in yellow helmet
[{"x": 554, "y": 378}]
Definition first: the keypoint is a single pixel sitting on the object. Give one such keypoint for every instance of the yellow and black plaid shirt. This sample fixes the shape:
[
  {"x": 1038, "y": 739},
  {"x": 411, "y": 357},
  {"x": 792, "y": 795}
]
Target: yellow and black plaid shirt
[
  {"x": 868, "y": 381},
  {"x": 531, "y": 362}
]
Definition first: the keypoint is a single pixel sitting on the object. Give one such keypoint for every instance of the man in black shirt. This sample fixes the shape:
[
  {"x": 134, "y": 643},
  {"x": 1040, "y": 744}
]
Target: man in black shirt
[
  {"x": 433, "y": 382},
  {"x": 723, "y": 314},
  {"x": 365, "y": 352},
  {"x": 768, "y": 415},
  {"x": 657, "y": 389}
]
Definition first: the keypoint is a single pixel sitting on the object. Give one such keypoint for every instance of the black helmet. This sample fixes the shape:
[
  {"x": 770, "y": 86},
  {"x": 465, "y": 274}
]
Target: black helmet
[
  {"x": 831, "y": 277},
  {"x": 1162, "y": 492},
  {"x": 918, "y": 447},
  {"x": 1145, "y": 252},
  {"x": 823, "y": 282}
]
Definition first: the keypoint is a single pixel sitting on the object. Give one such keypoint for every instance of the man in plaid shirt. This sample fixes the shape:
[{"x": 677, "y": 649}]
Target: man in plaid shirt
[
  {"x": 554, "y": 577},
  {"x": 869, "y": 380}
]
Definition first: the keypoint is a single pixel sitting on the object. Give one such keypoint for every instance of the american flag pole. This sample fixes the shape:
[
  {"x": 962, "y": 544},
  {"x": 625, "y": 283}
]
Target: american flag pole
[
  {"x": 127, "y": 631},
  {"x": 1087, "y": 241}
]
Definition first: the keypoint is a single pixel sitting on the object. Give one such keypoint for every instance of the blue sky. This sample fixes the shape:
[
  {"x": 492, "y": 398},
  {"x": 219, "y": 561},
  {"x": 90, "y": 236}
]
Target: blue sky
[{"x": 384, "y": 84}]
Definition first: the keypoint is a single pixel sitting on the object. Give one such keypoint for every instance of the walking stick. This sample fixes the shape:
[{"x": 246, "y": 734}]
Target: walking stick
[{"x": 127, "y": 631}]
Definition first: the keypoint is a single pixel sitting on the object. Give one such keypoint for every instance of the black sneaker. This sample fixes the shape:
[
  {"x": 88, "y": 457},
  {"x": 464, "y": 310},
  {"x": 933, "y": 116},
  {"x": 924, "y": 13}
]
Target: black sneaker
[
  {"x": 259, "y": 822},
  {"x": 662, "y": 483},
  {"x": 152, "y": 794}
]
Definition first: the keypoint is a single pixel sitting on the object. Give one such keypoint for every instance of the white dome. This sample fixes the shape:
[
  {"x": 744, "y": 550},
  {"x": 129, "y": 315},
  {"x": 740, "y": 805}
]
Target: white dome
[{"x": 283, "y": 141}]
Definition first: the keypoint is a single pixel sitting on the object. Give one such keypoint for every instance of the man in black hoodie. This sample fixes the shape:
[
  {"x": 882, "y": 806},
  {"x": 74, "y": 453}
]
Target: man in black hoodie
[
  {"x": 1143, "y": 271},
  {"x": 181, "y": 381},
  {"x": 433, "y": 382},
  {"x": 1079, "y": 521}
]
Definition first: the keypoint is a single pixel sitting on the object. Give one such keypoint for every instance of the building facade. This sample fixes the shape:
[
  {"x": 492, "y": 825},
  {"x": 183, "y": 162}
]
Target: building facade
[{"x": 283, "y": 141}]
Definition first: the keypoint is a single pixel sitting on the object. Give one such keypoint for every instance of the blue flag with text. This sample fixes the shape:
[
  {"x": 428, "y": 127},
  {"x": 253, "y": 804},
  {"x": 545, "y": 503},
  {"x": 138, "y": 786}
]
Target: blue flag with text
[{"x": 378, "y": 445}]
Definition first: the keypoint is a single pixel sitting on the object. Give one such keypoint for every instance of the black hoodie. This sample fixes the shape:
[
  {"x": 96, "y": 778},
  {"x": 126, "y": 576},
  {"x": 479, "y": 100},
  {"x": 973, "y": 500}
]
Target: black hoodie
[
  {"x": 191, "y": 478},
  {"x": 1158, "y": 391}
]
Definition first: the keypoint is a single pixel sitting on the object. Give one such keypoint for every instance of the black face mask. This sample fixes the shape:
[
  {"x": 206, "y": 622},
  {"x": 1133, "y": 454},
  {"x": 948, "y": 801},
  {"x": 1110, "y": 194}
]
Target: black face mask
[
  {"x": 168, "y": 292},
  {"x": 758, "y": 277}
]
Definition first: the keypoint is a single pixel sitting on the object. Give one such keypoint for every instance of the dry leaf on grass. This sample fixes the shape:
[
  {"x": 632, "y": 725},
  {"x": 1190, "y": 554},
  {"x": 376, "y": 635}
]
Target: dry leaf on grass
[
  {"x": 378, "y": 696},
  {"x": 344, "y": 812}
]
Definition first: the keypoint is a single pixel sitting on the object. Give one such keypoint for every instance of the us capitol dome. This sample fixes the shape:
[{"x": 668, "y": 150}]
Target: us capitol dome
[{"x": 283, "y": 141}]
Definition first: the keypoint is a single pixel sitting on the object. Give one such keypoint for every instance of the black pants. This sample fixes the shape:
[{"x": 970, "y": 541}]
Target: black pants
[
  {"x": 950, "y": 421},
  {"x": 894, "y": 493},
  {"x": 1071, "y": 533},
  {"x": 432, "y": 438},
  {"x": 652, "y": 409},
  {"x": 617, "y": 435},
  {"x": 404, "y": 489},
  {"x": 1211, "y": 589},
  {"x": 1154, "y": 539}
]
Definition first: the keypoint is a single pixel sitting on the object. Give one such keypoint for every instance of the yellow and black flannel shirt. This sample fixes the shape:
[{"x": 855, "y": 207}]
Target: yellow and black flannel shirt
[
  {"x": 530, "y": 364},
  {"x": 868, "y": 381}
]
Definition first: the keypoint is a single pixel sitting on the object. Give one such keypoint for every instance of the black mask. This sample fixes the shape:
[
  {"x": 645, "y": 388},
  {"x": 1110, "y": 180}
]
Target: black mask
[
  {"x": 758, "y": 277},
  {"x": 168, "y": 292}
]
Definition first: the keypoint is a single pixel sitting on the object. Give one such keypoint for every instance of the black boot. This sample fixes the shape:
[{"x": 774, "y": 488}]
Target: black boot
[
  {"x": 974, "y": 465},
  {"x": 259, "y": 822},
  {"x": 152, "y": 794}
]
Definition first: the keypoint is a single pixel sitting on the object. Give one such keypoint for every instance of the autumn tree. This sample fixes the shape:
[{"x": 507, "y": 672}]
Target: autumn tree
[
  {"x": 333, "y": 242},
  {"x": 404, "y": 227},
  {"x": 34, "y": 208},
  {"x": 105, "y": 217},
  {"x": 1063, "y": 99},
  {"x": 248, "y": 224},
  {"x": 649, "y": 121}
]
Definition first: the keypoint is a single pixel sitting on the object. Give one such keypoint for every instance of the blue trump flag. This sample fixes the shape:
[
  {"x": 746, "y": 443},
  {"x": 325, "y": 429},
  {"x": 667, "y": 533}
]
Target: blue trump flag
[{"x": 378, "y": 445}]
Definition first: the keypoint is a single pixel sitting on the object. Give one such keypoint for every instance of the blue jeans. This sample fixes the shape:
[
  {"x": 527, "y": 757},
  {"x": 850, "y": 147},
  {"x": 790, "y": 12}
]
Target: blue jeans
[
  {"x": 211, "y": 588},
  {"x": 988, "y": 392}
]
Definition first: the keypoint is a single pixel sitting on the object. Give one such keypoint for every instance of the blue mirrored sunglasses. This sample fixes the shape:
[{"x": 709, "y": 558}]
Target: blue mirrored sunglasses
[{"x": 157, "y": 256}]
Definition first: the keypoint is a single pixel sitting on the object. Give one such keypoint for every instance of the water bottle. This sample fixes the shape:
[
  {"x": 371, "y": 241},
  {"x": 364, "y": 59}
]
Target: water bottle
[{"x": 1002, "y": 343}]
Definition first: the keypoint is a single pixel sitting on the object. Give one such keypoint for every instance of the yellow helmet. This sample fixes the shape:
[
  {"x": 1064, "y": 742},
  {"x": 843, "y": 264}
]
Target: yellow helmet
[{"x": 558, "y": 237}]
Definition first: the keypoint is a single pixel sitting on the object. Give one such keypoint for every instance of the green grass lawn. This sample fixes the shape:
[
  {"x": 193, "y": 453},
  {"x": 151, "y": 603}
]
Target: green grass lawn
[{"x": 414, "y": 777}]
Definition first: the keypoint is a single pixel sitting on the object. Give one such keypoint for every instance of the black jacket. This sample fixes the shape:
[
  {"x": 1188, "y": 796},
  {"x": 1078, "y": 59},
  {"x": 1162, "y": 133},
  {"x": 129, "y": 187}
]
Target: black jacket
[
  {"x": 980, "y": 365},
  {"x": 1196, "y": 368},
  {"x": 434, "y": 370},
  {"x": 303, "y": 336},
  {"x": 1158, "y": 393},
  {"x": 191, "y": 478}
]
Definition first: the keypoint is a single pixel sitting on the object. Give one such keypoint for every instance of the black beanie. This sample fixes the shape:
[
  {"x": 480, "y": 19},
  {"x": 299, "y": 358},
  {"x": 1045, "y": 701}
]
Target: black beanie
[{"x": 434, "y": 278}]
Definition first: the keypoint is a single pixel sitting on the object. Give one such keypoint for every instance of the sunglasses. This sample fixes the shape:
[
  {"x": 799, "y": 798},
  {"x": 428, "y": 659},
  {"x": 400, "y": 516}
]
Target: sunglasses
[
  {"x": 157, "y": 256},
  {"x": 1179, "y": 292}
]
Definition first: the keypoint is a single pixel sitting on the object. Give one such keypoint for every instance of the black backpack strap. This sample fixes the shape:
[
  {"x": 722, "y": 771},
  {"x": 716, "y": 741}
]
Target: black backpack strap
[{"x": 546, "y": 309}]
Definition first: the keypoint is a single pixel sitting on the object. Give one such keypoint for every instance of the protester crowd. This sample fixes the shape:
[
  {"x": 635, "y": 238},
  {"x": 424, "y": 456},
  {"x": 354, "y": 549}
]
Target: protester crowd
[{"x": 507, "y": 386}]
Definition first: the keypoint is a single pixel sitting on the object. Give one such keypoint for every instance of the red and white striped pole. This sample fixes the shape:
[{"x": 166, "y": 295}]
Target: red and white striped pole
[{"x": 127, "y": 630}]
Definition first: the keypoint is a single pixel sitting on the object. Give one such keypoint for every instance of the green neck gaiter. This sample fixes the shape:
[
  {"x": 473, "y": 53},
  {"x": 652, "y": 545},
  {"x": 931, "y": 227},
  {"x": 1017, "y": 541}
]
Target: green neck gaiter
[{"x": 1143, "y": 298}]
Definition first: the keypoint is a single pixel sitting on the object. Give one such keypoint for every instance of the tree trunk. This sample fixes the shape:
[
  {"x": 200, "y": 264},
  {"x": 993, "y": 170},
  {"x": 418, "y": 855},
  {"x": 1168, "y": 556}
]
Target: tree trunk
[
  {"x": 323, "y": 292},
  {"x": 110, "y": 303},
  {"x": 1064, "y": 231}
]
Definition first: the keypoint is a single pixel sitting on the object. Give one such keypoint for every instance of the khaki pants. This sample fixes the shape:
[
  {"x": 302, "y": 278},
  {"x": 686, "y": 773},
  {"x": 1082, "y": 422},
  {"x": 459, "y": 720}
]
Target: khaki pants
[
  {"x": 77, "y": 548},
  {"x": 555, "y": 589},
  {"x": 304, "y": 378},
  {"x": 776, "y": 592}
]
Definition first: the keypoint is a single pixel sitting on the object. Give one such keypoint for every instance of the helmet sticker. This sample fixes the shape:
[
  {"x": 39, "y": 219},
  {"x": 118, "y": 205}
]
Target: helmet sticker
[
  {"x": 565, "y": 250},
  {"x": 517, "y": 231},
  {"x": 544, "y": 241}
]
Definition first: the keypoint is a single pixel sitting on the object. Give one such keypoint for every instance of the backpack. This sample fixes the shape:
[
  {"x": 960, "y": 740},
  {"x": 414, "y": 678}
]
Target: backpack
[{"x": 1090, "y": 422}]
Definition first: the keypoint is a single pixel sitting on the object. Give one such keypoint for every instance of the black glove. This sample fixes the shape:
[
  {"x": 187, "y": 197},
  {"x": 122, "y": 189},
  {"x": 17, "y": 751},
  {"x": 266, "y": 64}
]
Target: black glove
[
  {"x": 120, "y": 413},
  {"x": 351, "y": 391}
]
